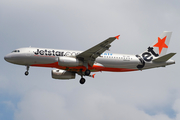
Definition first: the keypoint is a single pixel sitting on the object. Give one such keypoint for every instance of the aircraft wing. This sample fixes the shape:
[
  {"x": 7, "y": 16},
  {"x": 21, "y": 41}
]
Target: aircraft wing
[{"x": 90, "y": 55}]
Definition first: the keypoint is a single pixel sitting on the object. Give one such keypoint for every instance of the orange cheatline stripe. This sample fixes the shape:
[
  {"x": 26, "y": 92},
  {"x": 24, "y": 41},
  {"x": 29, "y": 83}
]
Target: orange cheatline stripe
[{"x": 95, "y": 68}]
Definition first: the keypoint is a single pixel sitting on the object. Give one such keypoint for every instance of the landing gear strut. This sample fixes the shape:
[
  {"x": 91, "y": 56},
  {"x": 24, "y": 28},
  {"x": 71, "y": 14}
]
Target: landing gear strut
[
  {"x": 82, "y": 80},
  {"x": 27, "y": 68}
]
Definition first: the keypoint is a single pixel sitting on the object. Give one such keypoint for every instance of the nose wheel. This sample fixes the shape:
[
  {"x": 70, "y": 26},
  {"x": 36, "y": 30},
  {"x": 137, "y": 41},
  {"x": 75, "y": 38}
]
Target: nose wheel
[
  {"x": 27, "y": 68},
  {"x": 26, "y": 73}
]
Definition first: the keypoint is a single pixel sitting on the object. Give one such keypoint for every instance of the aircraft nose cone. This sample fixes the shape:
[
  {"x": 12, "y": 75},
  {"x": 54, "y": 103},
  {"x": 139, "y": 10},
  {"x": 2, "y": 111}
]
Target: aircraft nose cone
[{"x": 7, "y": 58}]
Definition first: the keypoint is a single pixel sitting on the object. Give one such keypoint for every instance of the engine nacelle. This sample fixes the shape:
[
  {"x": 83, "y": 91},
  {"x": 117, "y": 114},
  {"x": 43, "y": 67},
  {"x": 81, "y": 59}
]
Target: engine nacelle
[
  {"x": 63, "y": 74},
  {"x": 69, "y": 61}
]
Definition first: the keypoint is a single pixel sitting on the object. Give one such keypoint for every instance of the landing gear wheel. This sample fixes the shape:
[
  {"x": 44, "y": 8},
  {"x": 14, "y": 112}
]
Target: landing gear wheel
[
  {"x": 87, "y": 72},
  {"x": 82, "y": 81},
  {"x": 26, "y": 73}
]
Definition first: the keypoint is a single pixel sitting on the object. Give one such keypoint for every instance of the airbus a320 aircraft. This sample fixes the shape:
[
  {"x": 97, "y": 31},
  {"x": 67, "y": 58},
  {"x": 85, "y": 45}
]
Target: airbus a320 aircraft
[{"x": 68, "y": 63}]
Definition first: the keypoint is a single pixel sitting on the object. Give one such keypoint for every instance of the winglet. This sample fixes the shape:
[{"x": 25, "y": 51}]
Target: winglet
[
  {"x": 117, "y": 37},
  {"x": 93, "y": 75}
]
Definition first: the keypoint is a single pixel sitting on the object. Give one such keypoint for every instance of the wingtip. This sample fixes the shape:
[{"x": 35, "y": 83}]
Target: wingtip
[{"x": 117, "y": 37}]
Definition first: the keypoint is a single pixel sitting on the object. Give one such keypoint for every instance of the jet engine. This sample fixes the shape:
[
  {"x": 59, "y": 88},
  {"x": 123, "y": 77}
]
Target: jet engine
[
  {"x": 63, "y": 74},
  {"x": 69, "y": 61}
]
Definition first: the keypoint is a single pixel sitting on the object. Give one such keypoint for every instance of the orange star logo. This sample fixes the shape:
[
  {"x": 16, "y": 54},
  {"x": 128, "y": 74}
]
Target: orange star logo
[{"x": 161, "y": 44}]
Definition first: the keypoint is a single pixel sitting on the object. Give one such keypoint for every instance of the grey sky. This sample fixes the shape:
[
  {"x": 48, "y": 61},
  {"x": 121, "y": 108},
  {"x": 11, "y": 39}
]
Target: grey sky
[{"x": 78, "y": 25}]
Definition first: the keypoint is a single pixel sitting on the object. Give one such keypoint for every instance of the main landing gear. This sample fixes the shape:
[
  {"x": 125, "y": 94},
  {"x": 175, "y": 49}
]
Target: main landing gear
[
  {"x": 27, "y": 68},
  {"x": 86, "y": 73},
  {"x": 82, "y": 80}
]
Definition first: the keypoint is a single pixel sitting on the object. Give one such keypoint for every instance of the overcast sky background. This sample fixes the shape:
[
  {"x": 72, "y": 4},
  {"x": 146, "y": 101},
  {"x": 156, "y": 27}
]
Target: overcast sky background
[{"x": 78, "y": 25}]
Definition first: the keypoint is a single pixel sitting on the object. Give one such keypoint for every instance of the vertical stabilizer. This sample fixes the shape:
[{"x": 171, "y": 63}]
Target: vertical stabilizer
[
  {"x": 156, "y": 50},
  {"x": 161, "y": 44}
]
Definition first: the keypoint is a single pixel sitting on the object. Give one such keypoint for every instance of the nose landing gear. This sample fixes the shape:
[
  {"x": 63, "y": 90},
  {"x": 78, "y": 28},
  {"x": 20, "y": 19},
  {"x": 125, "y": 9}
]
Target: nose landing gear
[
  {"x": 26, "y": 73},
  {"x": 27, "y": 68}
]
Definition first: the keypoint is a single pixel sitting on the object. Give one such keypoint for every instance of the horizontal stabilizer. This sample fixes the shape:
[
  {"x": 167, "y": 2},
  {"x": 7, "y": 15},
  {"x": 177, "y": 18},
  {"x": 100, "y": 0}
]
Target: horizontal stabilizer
[{"x": 164, "y": 58}]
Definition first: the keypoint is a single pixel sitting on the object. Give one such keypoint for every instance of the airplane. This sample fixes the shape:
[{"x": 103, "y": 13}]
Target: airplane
[{"x": 68, "y": 63}]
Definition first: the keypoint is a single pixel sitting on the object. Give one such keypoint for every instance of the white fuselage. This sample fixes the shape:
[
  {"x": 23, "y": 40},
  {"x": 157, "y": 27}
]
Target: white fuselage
[
  {"x": 70, "y": 62},
  {"x": 44, "y": 57}
]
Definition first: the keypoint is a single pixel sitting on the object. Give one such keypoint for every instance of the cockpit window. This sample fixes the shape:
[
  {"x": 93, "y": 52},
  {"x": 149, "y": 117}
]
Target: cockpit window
[{"x": 16, "y": 51}]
